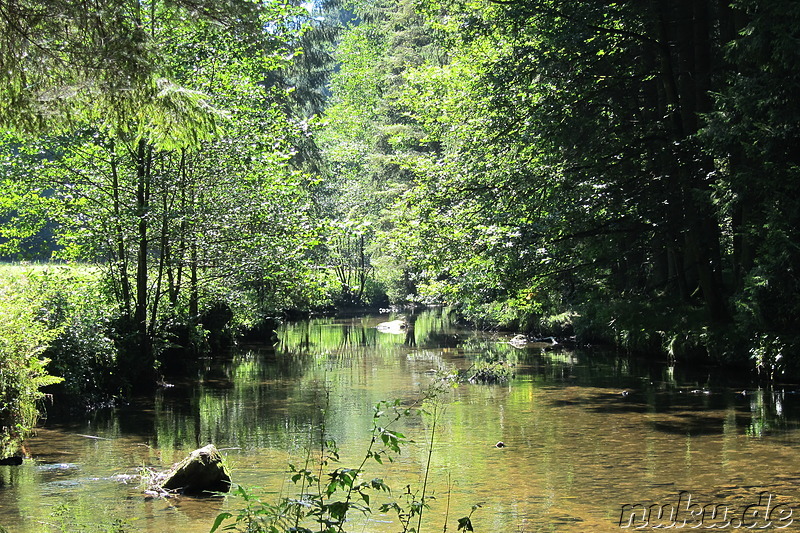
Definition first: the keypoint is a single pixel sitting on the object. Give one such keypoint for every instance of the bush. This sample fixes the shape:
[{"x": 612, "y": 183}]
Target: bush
[
  {"x": 23, "y": 339},
  {"x": 657, "y": 327},
  {"x": 70, "y": 304},
  {"x": 74, "y": 305}
]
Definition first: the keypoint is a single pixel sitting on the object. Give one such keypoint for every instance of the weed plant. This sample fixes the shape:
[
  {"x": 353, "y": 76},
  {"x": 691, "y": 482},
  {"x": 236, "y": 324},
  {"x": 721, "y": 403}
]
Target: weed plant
[{"x": 329, "y": 495}]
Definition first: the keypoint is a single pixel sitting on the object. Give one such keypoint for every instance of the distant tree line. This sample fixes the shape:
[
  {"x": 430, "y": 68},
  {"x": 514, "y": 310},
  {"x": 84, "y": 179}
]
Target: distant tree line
[{"x": 620, "y": 170}]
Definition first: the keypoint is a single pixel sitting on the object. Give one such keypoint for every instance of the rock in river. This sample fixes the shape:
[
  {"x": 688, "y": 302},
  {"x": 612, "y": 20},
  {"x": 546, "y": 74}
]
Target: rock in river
[
  {"x": 202, "y": 471},
  {"x": 14, "y": 460},
  {"x": 395, "y": 326}
]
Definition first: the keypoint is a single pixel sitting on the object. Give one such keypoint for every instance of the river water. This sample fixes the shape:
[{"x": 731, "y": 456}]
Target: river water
[{"x": 593, "y": 440}]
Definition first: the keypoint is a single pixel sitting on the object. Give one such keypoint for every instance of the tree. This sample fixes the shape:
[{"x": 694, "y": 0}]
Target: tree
[
  {"x": 23, "y": 337},
  {"x": 592, "y": 152},
  {"x": 370, "y": 140},
  {"x": 63, "y": 60},
  {"x": 752, "y": 131},
  {"x": 176, "y": 194}
]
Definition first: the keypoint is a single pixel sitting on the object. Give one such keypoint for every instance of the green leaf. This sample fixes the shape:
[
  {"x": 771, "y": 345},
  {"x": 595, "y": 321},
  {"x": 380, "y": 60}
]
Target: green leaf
[
  {"x": 218, "y": 522},
  {"x": 465, "y": 524}
]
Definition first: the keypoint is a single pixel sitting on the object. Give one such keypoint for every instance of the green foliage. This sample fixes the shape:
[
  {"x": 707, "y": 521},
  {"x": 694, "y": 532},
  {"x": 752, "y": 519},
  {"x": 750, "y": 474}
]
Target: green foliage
[
  {"x": 369, "y": 140},
  {"x": 76, "y": 305},
  {"x": 489, "y": 372},
  {"x": 768, "y": 354},
  {"x": 24, "y": 336},
  {"x": 348, "y": 262},
  {"x": 525, "y": 158},
  {"x": 71, "y": 303},
  {"x": 465, "y": 522},
  {"x": 185, "y": 190},
  {"x": 754, "y": 128},
  {"x": 64, "y": 63}
]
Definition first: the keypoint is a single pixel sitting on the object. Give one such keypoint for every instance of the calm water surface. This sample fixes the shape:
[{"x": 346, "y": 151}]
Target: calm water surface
[{"x": 585, "y": 432}]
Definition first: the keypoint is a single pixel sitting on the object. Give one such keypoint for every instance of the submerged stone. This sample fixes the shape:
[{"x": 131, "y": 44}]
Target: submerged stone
[
  {"x": 394, "y": 326},
  {"x": 202, "y": 471}
]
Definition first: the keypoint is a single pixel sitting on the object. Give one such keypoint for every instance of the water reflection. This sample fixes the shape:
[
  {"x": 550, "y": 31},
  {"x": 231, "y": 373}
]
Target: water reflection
[{"x": 585, "y": 432}]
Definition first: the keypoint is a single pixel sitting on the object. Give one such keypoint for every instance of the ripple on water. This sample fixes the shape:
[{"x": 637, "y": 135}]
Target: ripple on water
[{"x": 577, "y": 448}]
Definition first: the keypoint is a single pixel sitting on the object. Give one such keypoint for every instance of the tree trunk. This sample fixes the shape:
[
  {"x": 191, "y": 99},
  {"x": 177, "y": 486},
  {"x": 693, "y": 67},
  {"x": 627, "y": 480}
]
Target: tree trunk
[
  {"x": 146, "y": 366},
  {"x": 122, "y": 254},
  {"x": 687, "y": 90},
  {"x": 194, "y": 290}
]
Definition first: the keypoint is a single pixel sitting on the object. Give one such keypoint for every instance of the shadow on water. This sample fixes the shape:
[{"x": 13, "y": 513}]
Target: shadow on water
[{"x": 585, "y": 431}]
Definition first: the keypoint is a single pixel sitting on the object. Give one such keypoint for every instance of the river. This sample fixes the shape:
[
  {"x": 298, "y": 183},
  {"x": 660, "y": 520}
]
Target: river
[{"x": 593, "y": 440}]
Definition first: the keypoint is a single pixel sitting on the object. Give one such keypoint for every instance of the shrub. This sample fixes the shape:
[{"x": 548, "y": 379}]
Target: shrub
[
  {"x": 23, "y": 339},
  {"x": 73, "y": 304}
]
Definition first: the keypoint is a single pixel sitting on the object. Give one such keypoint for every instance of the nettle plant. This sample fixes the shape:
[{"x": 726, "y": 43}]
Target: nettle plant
[{"x": 329, "y": 494}]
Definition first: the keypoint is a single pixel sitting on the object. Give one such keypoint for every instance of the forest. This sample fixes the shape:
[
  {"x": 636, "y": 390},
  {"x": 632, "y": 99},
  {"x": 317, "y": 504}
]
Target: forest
[{"x": 177, "y": 173}]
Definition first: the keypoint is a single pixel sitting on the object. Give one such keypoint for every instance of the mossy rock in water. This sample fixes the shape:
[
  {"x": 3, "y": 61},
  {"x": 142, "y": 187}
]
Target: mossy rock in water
[{"x": 202, "y": 471}]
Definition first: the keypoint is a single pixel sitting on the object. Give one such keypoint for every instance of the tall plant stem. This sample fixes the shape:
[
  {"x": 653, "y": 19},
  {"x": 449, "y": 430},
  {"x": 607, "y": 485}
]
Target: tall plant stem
[
  {"x": 447, "y": 507},
  {"x": 298, "y": 513},
  {"x": 427, "y": 469}
]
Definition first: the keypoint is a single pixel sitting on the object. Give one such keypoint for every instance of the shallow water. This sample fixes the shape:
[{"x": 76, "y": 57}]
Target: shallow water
[{"x": 585, "y": 432}]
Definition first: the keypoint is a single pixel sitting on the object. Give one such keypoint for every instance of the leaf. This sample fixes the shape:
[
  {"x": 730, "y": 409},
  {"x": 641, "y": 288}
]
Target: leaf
[
  {"x": 378, "y": 484},
  {"x": 218, "y": 522},
  {"x": 465, "y": 524}
]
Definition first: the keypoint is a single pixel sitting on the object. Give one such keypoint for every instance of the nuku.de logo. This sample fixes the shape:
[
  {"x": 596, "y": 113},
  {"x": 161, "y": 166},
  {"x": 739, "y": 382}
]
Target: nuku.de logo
[{"x": 684, "y": 513}]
